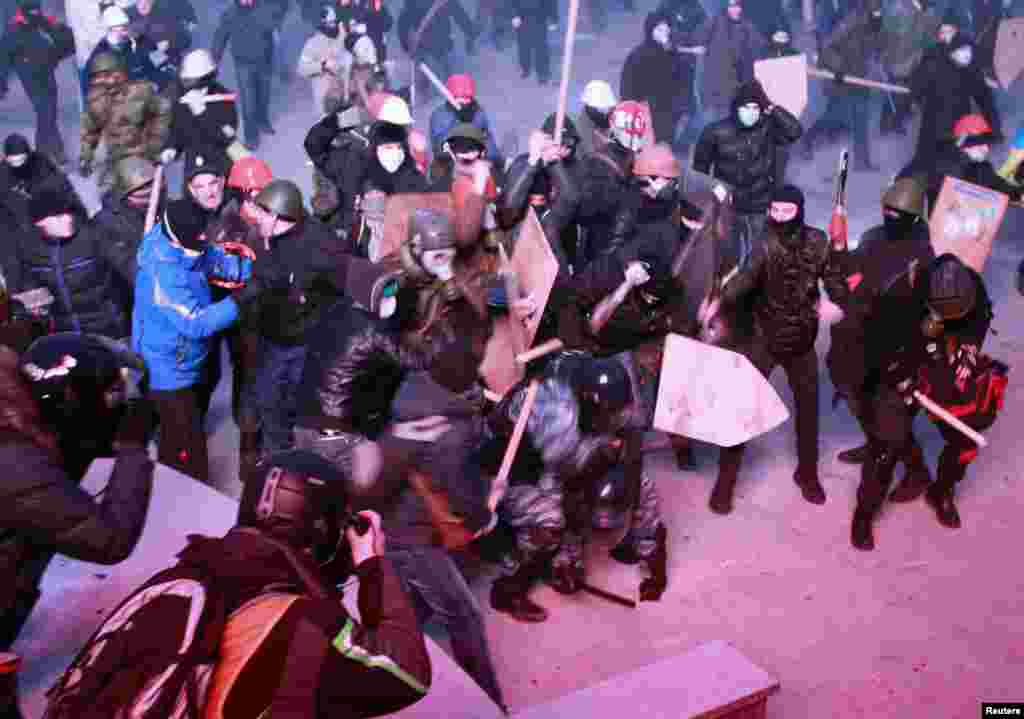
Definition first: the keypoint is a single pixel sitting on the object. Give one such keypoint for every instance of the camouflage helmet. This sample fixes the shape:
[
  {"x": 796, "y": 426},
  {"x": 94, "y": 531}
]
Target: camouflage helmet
[
  {"x": 133, "y": 173},
  {"x": 905, "y": 194},
  {"x": 465, "y": 131},
  {"x": 106, "y": 62},
  {"x": 282, "y": 198}
]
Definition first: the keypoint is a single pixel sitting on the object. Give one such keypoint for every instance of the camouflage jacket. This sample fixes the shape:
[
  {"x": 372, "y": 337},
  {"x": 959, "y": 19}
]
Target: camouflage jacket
[{"x": 131, "y": 118}]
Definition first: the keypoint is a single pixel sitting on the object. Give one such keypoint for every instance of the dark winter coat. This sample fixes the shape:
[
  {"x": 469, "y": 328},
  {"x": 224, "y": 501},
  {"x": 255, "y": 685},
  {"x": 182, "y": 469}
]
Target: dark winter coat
[
  {"x": 745, "y": 157},
  {"x": 19, "y": 185},
  {"x": 250, "y": 30},
  {"x": 46, "y": 512},
  {"x": 33, "y": 47},
  {"x": 169, "y": 21},
  {"x": 851, "y": 48},
  {"x": 208, "y": 133},
  {"x": 82, "y": 275},
  {"x": 134, "y": 53},
  {"x": 301, "y": 277},
  {"x": 945, "y": 93},
  {"x": 662, "y": 78},
  {"x": 781, "y": 284},
  {"x": 122, "y": 227},
  {"x": 436, "y": 37},
  {"x": 603, "y": 185},
  {"x": 732, "y": 48}
]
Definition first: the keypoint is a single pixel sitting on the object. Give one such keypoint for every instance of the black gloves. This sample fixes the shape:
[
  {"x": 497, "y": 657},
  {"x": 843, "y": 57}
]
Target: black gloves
[
  {"x": 840, "y": 77},
  {"x": 246, "y": 295},
  {"x": 137, "y": 425}
]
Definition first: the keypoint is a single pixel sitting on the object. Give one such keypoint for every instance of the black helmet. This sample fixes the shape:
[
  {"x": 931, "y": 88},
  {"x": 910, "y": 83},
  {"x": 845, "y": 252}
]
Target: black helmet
[
  {"x": 81, "y": 380},
  {"x": 300, "y": 498},
  {"x": 570, "y": 135},
  {"x": 952, "y": 288},
  {"x": 282, "y": 198},
  {"x": 465, "y": 137},
  {"x": 605, "y": 390},
  {"x": 106, "y": 62}
]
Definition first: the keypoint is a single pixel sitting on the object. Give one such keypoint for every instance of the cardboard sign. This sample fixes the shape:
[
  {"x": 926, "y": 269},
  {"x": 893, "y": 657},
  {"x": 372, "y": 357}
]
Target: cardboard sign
[
  {"x": 399, "y": 209},
  {"x": 965, "y": 221},
  {"x": 714, "y": 395},
  {"x": 534, "y": 269},
  {"x": 785, "y": 81},
  {"x": 1009, "y": 52}
]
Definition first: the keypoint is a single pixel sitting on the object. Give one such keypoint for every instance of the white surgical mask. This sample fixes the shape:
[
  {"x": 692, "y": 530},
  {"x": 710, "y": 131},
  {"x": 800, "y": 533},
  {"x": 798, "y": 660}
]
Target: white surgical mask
[
  {"x": 391, "y": 158},
  {"x": 978, "y": 153},
  {"x": 387, "y": 307},
  {"x": 660, "y": 34},
  {"x": 963, "y": 56},
  {"x": 749, "y": 116},
  {"x": 17, "y": 160}
]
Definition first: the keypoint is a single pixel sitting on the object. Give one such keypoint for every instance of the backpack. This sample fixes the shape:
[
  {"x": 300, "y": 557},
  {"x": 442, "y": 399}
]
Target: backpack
[{"x": 153, "y": 657}]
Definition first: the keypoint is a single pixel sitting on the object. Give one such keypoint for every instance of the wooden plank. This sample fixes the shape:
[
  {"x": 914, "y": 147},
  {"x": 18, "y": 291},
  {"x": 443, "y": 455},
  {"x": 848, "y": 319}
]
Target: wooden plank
[
  {"x": 966, "y": 220},
  {"x": 785, "y": 81}
]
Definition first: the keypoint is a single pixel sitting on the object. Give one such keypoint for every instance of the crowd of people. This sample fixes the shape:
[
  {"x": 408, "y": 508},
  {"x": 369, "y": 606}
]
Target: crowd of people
[{"x": 360, "y": 325}]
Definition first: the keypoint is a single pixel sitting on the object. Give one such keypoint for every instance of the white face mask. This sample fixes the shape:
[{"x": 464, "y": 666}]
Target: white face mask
[
  {"x": 962, "y": 56},
  {"x": 978, "y": 153},
  {"x": 660, "y": 34},
  {"x": 391, "y": 158},
  {"x": 735, "y": 12},
  {"x": 387, "y": 307},
  {"x": 439, "y": 263},
  {"x": 17, "y": 160},
  {"x": 749, "y": 115}
]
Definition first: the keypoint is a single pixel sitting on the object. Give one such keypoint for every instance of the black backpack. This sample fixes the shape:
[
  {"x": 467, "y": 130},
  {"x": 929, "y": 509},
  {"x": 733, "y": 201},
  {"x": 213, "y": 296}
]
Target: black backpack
[{"x": 153, "y": 657}]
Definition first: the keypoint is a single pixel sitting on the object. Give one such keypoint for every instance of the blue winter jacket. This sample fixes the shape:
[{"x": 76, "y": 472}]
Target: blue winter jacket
[
  {"x": 175, "y": 317},
  {"x": 443, "y": 119}
]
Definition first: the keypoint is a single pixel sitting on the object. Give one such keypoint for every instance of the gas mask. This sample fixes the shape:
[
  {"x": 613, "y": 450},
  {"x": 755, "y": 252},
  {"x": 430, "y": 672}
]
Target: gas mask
[
  {"x": 391, "y": 158},
  {"x": 749, "y": 114},
  {"x": 978, "y": 153},
  {"x": 660, "y": 34},
  {"x": 962, "y": 56}
]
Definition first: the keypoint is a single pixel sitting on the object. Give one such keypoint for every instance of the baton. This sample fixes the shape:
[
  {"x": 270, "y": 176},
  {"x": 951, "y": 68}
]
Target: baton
[
  {"x": 610, "y": 596},
  {"x": 436, "y": 82},
  {"x": 949, "y": 419}
]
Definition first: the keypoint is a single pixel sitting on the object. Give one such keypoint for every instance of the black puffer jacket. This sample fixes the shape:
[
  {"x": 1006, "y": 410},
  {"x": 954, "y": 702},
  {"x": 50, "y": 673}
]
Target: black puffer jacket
[
  {"x": 81, "y": 275},
  {"x": 604, "y": 185},
  {"x": 745, "y": 157},
  {"x": 354, "y": 366},
  {"x": 661, "y": 77},
  {"x": 19, "y": 185},
  {"x": 783, "y": 276}
]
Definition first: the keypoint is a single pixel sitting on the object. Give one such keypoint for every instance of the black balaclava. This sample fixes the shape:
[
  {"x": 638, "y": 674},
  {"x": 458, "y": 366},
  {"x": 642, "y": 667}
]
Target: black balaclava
[
  {"x": 792, "y": 194},
  {"x": 16, "y": 144},
  {"x": 601, "y": 120},
  {"x": 897, "y": 228},
  {"x": 570, "y": 135},
  {"x": 186, "y": 221}
]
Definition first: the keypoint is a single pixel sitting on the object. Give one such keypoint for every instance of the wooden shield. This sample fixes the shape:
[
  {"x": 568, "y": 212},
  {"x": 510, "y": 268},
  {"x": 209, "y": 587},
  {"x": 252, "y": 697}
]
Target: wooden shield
[
  {"x": 1009, "y": 54},
  {"x": 399, "y": 209},
  {"x": 714, "y": 395},
  {"x": 534, "y": 269},
  {"x": 965, "y": 221},
  {"x": 785, "y": 81}
]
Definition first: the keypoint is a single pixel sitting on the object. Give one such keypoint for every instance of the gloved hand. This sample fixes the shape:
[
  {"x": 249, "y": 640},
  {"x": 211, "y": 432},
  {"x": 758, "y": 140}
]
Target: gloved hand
[
  {"x": 137, "y": 425},
  {"x": 637, "y": 274},
  {"x": 168, "y": 156},
  {"x": 223, "y": 266},
  {"x": 840, "y": 77},
  {"x": 85, "y": 168}
]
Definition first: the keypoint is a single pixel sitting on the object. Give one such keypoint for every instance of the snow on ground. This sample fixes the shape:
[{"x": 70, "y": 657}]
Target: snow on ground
[{"x": 929, "y": 624}]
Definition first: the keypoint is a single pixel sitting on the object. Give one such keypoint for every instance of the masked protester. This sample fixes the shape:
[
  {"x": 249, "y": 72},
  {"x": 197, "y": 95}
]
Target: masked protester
[
  {"x": 326, "y": 62},
  {"x": 33, "y": 46},
  {"x": 24, "y": 172},
  {"x": 780, "y": 283},
  {"x": 204, "y": 120},
  {"x": 924, "y": 334},
  {"x": 908, "y": 28},
  {"x": 741, "y": 151},
  {"x": 132, "y": 52},
  {"x": 966, "y": 157},
  {"x": 593, "y": 121},
  {"x": 336, "y": 140},
  {"x": 70, "y": 398},
  {"x": 469, "y": 111},
  {"x": 128, "y": 117}
]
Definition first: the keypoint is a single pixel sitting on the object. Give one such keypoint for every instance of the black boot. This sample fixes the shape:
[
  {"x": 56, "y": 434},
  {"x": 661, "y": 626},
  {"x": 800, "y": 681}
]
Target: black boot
[
  {"x": 684, "y": 454},
  {"x": 855, "y": 455},
  {"x": 566, "y": 579},
  {"x": 876, "y": 477},
  {"x": 862, "y": 535},
  {"x": 9, "y": 665},
  {"x": 654, "y": 586},
  {"x": 729, "y": 460},
  {"x": 509, "y": 595},
  {"x": 916, "y": 479},
  {"x": 941, "y": 500},
  {"x": 625, "y": 551},
  {"x": 809, "y": 484}
]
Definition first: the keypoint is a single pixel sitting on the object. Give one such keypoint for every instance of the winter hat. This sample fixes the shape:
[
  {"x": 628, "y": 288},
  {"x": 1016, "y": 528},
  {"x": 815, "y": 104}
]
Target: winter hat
[
  {"x": 461, "y": 86},
  {"x": 185, "y": 222},
  {"x": 196, "y": 164},
  {"x": 16, "y": 144},
  {"x": 751, "y": 92},
  {"x": 49, "y": 202},
  {"x": 386, "y": 132}
]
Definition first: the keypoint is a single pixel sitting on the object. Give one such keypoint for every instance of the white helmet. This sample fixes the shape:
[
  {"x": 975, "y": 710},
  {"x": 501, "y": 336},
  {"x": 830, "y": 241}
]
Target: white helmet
[
  {"x": 197, "y": 64},
  {"x": 364, "y": 51},
  {"x": 395, "y": 111},
  {"x": 599, "y": 95},
  {"x": 114, "y": 16}
]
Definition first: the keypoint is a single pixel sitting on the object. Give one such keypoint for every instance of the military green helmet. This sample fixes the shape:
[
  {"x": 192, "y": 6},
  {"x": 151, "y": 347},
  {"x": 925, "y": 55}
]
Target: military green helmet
[
  {"x": 905, "y": 194},
  {"x": 133, "y": 173},
  {"x": 466, "y": 131},
  {"x": 282, "y": 198},
  {"x": 106, "y": 62}
]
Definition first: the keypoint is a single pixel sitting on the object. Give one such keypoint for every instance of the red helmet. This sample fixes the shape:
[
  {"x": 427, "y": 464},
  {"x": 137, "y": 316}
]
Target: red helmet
[
  {"x": 971, "y": 125},
  {"x": 250, "y": 174},
  {"x": 461, "y": 87},
  {"x": 629, "y": 123}
]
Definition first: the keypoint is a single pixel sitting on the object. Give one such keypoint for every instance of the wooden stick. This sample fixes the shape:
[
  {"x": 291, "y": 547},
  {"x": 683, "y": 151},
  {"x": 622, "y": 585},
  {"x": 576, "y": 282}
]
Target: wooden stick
[
  {"x": 873, "y": 84},
  {"x": 154, "y": 198},
  {"x": 540, "y": 350},
  {"x": 949, "y": 419},
  {"x": 610, "y": 596},
  {"x": 563, "y": 92},
  {"x": 436, "y": 82},
  {"x": 501, "y": 481}
]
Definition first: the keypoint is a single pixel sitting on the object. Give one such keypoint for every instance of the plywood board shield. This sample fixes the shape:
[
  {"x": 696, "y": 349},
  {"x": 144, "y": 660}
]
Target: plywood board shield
[
  {"x": 399, "y": 209},
  {"x": 965, "y": 221},
  {"x": 1009, "y": 55},
  {"x": 714, "y": 395},
  {"x": 785, "y": 81}
]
